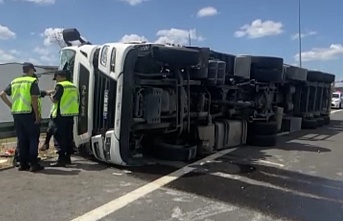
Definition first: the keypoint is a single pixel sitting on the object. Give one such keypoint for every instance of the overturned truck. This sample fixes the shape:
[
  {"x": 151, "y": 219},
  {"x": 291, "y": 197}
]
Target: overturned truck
[{"x": 140, "y": 100}]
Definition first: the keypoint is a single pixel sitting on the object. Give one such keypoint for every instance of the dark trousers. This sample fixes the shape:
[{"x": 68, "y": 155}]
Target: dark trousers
[
  {"x": 28, "y": 138},
  {"x": 27, "y": 144},
  {"x": 50, "y": 132},
  {"x": 63, "y": 136}
]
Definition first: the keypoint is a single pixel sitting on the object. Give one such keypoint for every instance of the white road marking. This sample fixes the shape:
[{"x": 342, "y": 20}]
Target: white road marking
[
  {"x": 270, "y": 163},
  {"x": 251, "y": 160},
  {"x": 283, "y": 133},
  {"x": 266, "y": 184},
  {"x": 116, "y": 204},
  {"x": 335, "y": 111}
]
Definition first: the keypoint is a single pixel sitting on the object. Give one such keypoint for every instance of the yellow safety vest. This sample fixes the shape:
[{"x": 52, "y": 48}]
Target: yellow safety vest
[
  {"x": 69, "y": 102},
  {"x": 21, "y": 95}
]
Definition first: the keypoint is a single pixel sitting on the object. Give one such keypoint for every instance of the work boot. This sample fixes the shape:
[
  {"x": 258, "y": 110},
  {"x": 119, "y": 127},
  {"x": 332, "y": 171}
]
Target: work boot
[
  {"x": 44, "y": 147},
  {"x": 36, "y": 167},
  {"x": 61, "y": 161},
  {"x": 68, "y": 160},
  {"x": 23, "y": 167}
]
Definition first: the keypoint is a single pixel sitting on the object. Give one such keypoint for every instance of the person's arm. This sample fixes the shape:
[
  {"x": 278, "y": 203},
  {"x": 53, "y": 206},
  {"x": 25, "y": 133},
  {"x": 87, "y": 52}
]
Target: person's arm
[
  {"x": 56, "y": 96},
  {"x": 4, "y": 94},
  {"x": 35, "y": 93},
  {"x": 43, "y": 94},
  {"x": 49, "y": 92}
]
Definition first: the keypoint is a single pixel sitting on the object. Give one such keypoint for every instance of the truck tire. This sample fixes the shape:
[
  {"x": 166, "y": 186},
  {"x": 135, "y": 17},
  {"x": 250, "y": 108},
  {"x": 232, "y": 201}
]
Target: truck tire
[
  {"x": 266, "y": 75},
  {"x": 262, "y": 140},
  {"x": 328, "y": 78},
  {"x": 320, "y": 121},
  {"x": 326, "y": 120},
  {"x": 264, "y": 62},
  {"x": 309, "y": 124},
  {"x": 295, "y": 73},
  {"x": 315, "y": 76},
  {"x": 263, "y": 128},
  {"x": 175, "y": 55},
  {"x": 166, "y": 151}
]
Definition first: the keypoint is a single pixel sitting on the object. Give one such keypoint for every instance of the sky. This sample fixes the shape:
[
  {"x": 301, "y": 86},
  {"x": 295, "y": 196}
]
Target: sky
[{"x": 265, "y": 27}]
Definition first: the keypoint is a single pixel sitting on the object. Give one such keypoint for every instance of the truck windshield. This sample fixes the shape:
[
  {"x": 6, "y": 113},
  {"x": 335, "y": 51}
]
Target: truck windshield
[
  {"x": 335, "y": 95},
  {"x": 67, "y": 60}
]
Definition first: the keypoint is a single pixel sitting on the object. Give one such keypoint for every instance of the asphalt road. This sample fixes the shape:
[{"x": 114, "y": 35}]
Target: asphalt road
[{"x": 299, "y": 179}]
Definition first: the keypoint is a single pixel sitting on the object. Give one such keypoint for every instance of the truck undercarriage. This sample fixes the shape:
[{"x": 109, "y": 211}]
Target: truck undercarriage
[{"x": 178, "y": 103}]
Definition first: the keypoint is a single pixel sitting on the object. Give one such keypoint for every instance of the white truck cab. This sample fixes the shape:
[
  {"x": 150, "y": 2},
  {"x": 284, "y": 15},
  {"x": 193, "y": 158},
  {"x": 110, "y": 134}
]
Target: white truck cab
[
  {"x": 337, "y": 99},
  {"x": 98, "y": 73}
]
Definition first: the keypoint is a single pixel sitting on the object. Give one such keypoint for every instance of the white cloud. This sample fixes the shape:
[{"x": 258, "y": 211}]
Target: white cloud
[
  {"x": 207, "y": 11},
  {"x": 177, "y": 36},
  {"x": 15, "y": 52},
  {"x": 170, "y": 36},
  {"x": 303, "y": 35},
  {"x": 52, "y": 35},
  {"x": 133, "y": 2},
  {"x": 46, "y": 55},
  {"x": 132, "y": 37},
  {"x": 321, "y": 54},
  {"x": 6, "y": 33},
  {"x": 259, "y": 29},
  {"x": 43, "y": 56},
  {"x": 6, "y": 56},
  {"x": 41, "y": 50},
  {"x": 41, "y": 2}
]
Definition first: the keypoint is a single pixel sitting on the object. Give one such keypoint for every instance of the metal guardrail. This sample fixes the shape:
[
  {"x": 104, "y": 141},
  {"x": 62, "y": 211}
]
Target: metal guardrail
[{"x": 7, "y": 129}]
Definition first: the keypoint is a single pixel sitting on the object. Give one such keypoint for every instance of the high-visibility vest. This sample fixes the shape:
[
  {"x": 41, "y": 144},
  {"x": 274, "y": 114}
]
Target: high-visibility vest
[
  {"x": 69, "y": 102},
  {"x": 21, "y": 94}
]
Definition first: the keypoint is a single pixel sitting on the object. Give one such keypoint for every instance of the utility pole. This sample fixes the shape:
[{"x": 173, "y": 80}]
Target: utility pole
[
  {"x": 299, "y": 26},
  {"x": 189, "y": 38}
]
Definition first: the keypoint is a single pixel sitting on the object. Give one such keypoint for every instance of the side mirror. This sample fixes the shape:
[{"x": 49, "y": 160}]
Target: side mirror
[{"x": 72, "y": 37}]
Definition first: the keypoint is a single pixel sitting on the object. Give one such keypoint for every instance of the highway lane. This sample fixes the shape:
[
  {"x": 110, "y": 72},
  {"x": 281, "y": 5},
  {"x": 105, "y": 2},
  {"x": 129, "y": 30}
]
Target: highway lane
[{"x": 299, "y": 179}]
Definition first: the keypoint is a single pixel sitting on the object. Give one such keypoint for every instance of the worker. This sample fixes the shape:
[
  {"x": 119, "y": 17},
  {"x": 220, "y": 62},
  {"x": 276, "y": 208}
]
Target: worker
[
  {"x": 42, "y": 95},
  {"x": 65, "y": 108},
  {"x": 25, "y": 93},
  {"x": 50, "y": 130}
]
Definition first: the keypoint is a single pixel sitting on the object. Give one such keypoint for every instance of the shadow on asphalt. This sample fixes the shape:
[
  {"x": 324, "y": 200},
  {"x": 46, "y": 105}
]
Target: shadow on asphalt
[
  {"x": 292, "y": 142},
  {"x": 286, "y": 143},
  {"x": 272, "y": 191}
]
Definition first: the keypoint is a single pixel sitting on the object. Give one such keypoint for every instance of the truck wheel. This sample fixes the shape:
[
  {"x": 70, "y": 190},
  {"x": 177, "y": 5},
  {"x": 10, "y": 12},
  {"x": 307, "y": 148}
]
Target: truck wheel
[
  {"x": 315, "y": 76},
  {"x": 264, "y": 62},
  {"x": 262, "y": 140},
  {"x": 266, "y": 75},
  {"x": 175, "y": 55},
  {"x": 295, "y": 73},
  {"x": 266, "y": 69},
  {"x": 263, "y": 128},
  {"x": 328, "y": 78},
  {"x": 320, "y": 121},
  {"x": 326, "y": 120},
  {"x": 175, "y": 152},
  {"x": 309, "y": 124}
]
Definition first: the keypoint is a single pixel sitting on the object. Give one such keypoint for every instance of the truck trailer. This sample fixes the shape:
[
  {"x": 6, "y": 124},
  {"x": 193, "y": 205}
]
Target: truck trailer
[{"x": 140, "y": 100}]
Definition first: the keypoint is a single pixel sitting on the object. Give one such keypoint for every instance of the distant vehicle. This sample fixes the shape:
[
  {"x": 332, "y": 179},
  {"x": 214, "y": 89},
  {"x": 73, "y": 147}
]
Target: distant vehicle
[{"x": 337, "y": 99}]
